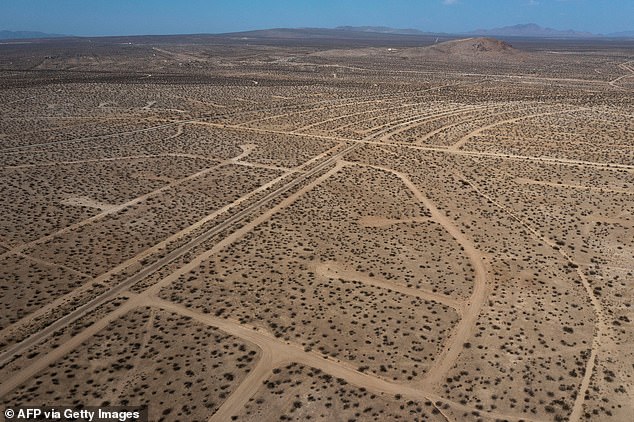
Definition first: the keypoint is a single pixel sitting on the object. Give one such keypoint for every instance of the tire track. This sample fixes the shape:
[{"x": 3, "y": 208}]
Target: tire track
[
  {"x": 601, "y": 325},
  {"x": 463, "y": 330},
  {"x": 476, "y": 132},
  {"x": 65, "y": 299}
]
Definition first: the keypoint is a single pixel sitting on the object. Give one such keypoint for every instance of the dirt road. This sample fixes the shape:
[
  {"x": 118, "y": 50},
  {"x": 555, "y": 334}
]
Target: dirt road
[{"x": 464, "y": 329}]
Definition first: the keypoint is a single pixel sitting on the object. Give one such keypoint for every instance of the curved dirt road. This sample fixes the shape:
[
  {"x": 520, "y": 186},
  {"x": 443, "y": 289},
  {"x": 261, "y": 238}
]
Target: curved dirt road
[
  {"x": 276, "y": 353},
  {"x": 476, "y": 132},
  {"x": 601, "y": 323},
  {"x": 464, "y": 329}
]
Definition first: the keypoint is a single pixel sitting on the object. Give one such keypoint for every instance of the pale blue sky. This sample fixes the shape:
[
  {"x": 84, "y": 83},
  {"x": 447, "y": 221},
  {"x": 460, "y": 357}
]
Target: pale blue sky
[{"x": 127, "y": 17}]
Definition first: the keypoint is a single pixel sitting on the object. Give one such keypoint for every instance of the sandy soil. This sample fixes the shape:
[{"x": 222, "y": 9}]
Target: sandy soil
[{"x": 441, "y": 231}]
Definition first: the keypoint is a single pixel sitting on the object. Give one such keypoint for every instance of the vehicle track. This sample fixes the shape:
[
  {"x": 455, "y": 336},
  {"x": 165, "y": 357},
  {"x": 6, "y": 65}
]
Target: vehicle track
[
  {"x": 467, "y": 120},
  {"x": 458, "y": 145},
  {"x": 335, "y": 271},
  {"x": 325, "y": 103},
  {"x": 601, "y": 324},
  {"x": 92, "y": 147},
  {"x": 20, "y": 347},
  {"x": 247, "y": 149},
  {"x": 345, "y": 116},
  {"x": 337, "y": 103},
  {"x": 148, "y": 252},
  {"x": 625, "y": 66},
  {"x": 276, "y": 353},
  {"x": 105, "y": 160},
  {"x": 464, "y": 111},
  {"x": 51, "y": 264},
  {"x": 418, "y": 118},
  {"x": 536, "y": 78},
  {"x": 139, "y": 257},
  {"x": 179, "y": 122},
  {"x": 113, "y": 210},
  {"x": 91, "y": 138},
  {"x": 505, "y": 156},
  {"x": 86, "y": 308},
  {"x": 464, "y": 329},
  {"x": 525, "y": 181}
]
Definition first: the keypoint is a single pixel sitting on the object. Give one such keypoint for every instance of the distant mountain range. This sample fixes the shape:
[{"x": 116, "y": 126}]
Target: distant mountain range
[
  {"x": 382, "y": 30},
  {"x": 528, "y": 30},
  {"x": 624, "y": 34},
  {"x": 531, "y": 30},
  {"x": 22, "y": 35}
]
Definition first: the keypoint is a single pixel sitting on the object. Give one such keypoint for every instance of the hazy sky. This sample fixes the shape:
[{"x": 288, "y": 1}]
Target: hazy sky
[{"x": 126, "y": 17}]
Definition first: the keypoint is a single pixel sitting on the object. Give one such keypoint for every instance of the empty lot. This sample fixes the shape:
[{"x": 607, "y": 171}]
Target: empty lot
[{"x": 227, "y": 231}]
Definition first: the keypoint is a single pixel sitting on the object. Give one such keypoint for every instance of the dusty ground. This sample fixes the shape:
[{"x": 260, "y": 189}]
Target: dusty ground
[{"x": 227, "y": 231}]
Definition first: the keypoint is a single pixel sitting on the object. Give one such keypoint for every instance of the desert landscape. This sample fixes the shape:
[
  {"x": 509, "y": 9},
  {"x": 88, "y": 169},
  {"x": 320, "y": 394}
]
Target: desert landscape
[{"x": 266, "y": 228}]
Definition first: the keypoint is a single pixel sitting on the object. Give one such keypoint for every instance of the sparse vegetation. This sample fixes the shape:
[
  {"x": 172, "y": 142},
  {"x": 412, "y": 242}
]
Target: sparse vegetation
[{"x": 347, "y": 232}]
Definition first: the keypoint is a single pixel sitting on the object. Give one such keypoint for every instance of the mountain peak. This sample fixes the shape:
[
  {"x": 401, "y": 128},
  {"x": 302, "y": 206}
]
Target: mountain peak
[{"x": 474, "y": 46}]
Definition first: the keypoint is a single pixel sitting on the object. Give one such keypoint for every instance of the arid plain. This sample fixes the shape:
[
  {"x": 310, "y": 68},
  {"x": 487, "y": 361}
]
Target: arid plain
[{"x": 263, "y": 229}]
